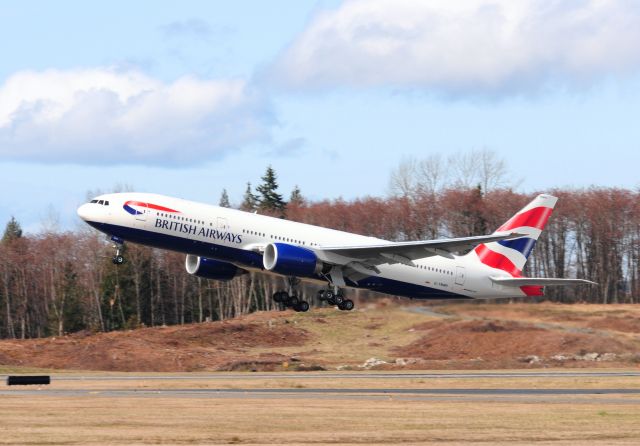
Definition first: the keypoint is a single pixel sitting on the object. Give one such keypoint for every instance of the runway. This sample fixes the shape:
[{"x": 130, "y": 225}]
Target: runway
[
  {"x": 88, "y": 387},
  {"x": 334, "y": 375},
  {"x": 557, "y": 396},
  {"x": 376, "y": 407}
]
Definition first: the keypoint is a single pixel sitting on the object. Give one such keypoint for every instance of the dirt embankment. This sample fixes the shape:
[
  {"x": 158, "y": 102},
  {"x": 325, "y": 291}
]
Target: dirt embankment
[
  {"x": 381, "y": 335},
  {"x": 509, "y": 344},
  {"x": 206, "y": 346}
]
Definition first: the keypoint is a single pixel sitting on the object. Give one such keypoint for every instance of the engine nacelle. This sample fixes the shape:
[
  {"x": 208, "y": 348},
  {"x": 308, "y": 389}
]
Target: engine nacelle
[
  {"x": 290, "y": 260},
  {"x": 212, "y": 269}
]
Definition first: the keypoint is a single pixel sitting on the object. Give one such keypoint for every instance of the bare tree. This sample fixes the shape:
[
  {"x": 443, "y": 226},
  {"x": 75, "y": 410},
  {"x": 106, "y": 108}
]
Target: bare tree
[
  {"x": 482, "y": 168},
  {"x": 431, "y": 174},
  {"x": 413, "y": 176},
  {"x": 403, "y": 178}
]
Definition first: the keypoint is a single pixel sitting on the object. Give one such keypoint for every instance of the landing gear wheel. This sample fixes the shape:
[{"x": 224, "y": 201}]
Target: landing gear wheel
[
  {"x": 118, "y": 260},
  {"x": 329, "y": 296},
  {"x": 322, "y": 295},
  {"x": 280, "y": 297},
  {"x": 347, "y": 305},
  {"x": 292, "y": 301},
  {"x": 302, "y": 306},
  {"x": 339, "y": 299}
]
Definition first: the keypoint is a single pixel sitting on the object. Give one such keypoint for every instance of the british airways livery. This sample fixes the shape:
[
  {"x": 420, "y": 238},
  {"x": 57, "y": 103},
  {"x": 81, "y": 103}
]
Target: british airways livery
[{"x": 222, "y": 243}]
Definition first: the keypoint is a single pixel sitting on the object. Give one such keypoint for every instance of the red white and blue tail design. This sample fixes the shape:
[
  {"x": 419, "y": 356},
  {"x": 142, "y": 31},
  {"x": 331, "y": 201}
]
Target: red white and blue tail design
[{"x": 511, "y": 255}]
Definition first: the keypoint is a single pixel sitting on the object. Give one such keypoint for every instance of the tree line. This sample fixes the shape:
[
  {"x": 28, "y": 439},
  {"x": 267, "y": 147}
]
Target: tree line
[{"x": 58, "y": 282}]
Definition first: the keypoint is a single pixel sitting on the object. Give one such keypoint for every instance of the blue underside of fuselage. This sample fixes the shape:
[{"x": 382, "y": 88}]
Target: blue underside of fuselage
[{"x": 252, "y": 259}]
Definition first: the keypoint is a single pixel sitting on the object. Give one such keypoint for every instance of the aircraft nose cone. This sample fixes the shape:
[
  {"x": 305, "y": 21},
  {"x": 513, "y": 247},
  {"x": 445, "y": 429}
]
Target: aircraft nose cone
[{"x": 84, "y": 212}]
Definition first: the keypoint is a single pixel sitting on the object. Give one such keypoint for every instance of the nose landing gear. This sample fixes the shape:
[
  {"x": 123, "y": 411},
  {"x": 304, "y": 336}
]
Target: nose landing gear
[{"x": 118, "y": 245}]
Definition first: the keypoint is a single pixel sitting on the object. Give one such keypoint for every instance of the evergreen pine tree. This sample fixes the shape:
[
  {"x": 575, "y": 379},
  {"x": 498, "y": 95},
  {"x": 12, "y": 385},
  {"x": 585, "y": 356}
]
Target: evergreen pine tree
[
  {"x": 296, "y": 197},
  {"x": 12, "y": 231},
  {"x": 270, "y": 200},
  {"x": 224, "y": 199},
  {"x": 249, "y": 200}
]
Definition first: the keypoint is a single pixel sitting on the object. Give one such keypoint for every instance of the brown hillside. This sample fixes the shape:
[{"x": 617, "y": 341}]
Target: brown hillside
[{"x": 462, "y": 336}]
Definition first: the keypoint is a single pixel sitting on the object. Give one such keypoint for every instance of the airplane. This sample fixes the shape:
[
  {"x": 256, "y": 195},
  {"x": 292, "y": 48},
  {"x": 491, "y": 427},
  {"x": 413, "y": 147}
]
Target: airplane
[{"x": 222, "y": 243}]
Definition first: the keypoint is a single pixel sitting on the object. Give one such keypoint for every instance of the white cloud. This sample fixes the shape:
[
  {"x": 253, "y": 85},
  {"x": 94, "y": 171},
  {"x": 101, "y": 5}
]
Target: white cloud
[
  {"x": 102, "y": 115},
  {"x": 460, "y": 47}
]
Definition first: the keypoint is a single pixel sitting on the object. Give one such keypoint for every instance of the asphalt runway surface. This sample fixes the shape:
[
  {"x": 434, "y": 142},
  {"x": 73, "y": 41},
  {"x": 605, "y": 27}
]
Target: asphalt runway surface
[
  {"x": 338, "y": 375},
  {"x": 525, "y": 394}
]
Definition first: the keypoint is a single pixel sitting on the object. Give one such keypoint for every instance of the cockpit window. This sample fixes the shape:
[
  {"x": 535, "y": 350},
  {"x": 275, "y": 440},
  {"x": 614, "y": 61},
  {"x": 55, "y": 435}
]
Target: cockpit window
[
  {"x": 106, "y": 202},
  {"x": 94, "y": 201},
  {"x": 101, "y": 202}
]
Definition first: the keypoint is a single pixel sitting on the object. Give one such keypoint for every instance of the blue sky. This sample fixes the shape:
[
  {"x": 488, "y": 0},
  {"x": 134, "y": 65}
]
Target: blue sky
[{"x": 187, "y": 98}]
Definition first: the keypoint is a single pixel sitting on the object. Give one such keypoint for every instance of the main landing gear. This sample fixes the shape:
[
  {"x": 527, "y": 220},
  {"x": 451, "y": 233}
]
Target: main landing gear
[
  {"x": 291, "y": 301},
  {"x": 118, "y": 244},
  {"x": 335, "y": 297}
]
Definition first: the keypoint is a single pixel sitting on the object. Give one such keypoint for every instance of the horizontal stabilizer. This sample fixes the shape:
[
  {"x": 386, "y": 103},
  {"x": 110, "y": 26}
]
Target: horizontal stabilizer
[{"x": 539, "y": 281}]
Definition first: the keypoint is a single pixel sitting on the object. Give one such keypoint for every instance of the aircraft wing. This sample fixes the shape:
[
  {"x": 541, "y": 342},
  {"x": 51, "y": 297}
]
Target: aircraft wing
[
  {"x": 539, "y": 281},
  {"x": 406, "y": 252}
]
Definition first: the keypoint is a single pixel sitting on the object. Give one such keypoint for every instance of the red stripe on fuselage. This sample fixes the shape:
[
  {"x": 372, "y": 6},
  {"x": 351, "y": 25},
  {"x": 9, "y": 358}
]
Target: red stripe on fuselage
[
  {"x": 150, "y": 206},
  {"x": 497, "y": 260},
  {"x": 534, "y": 218}
]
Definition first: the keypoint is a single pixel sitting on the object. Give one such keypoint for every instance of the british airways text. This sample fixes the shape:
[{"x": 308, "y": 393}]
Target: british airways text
[{"x": 195, "y": 230}]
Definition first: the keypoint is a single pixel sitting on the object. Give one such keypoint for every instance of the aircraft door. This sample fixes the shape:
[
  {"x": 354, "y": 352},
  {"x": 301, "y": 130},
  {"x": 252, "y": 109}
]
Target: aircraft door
[{"x": 460, "y": 275}]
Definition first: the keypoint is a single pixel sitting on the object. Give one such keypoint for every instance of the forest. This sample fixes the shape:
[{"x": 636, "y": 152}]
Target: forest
[{"x": 58, "y": 281}]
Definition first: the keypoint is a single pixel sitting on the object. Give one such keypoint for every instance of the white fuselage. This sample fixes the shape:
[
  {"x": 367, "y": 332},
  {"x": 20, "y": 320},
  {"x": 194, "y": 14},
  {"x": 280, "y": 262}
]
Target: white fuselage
[{"x": 239, "y": 238}]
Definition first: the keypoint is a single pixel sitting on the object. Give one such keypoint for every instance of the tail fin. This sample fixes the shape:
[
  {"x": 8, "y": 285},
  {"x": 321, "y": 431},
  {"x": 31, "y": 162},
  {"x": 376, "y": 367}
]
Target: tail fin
[{"x": 511, "y": 255}]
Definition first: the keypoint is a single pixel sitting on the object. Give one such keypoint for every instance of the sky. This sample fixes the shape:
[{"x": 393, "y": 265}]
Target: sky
[{"x": 187, "y": 98}]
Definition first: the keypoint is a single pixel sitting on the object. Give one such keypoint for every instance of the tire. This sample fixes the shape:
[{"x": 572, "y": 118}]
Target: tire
[
  {"x": 329, "y": 295},
  {"x": 331, "y": 301},
  {"x": 277, "y": 297},
  {"x": 292, "y": 301},
  {"x": 347, "y": 305},
  {"x": 302, "y": 306},
  {"x": 321, "y": 295},
  {"x": 118, "y": 260},
  {"x": 339, "y": 298}
]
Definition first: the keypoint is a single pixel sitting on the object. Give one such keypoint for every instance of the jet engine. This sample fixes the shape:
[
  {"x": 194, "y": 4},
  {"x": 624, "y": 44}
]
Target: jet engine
[
  {"x": 290, "y": 260},
  {"x": 212, "y": 269}
]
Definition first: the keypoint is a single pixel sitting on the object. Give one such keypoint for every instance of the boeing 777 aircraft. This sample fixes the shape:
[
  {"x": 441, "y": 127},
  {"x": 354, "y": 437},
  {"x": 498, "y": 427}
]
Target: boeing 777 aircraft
[{"x": 222, "y": 243}]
